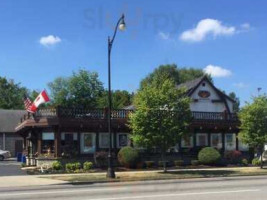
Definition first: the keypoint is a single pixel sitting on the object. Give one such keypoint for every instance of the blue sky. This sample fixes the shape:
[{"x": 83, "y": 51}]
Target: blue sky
[{"x": 41, "y": 40}]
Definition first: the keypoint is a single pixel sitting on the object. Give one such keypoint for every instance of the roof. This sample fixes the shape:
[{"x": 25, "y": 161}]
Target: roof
[
  {"x": 192, "y": 85},
  {"x": 9, "y": 119},
  {"x": 130, "y": 107}
]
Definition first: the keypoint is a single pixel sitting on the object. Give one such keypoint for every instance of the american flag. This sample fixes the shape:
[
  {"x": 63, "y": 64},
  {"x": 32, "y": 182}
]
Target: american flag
[{"x": 27, "y": 103}]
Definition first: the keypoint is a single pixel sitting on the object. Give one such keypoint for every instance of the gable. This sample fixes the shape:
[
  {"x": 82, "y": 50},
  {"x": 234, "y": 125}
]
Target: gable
[{"x": 207, "y": 98}]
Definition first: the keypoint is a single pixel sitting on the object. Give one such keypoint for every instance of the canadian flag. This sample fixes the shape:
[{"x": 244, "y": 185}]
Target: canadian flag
[{"x": 40, "y": 99}]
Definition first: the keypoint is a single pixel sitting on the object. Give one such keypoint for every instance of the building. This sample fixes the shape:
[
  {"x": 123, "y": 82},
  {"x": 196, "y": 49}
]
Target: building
[
  {"x": 9, "y": 139},
  {"x": 82, "y": 132}
]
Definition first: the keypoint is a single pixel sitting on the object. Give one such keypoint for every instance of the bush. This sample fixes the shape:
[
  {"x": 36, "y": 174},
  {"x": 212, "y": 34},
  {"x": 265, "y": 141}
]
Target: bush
[
  {"x": 233, "y": 157},
  {"x": 101, "y": 159},
  {"x": 209, "y": 156},
  {"x": 256, "y": 162},
  {"x": 178, "y": 162},
  {"x": 161, "y": 163},
  {"x": 87, "y": 165},
  {"x": 73, "y": 166},
  {"x": 244, "y": 162},
  {"x": 149, "y": 164},
  {"x": 128, "y": 156},
  {"x": 57, "y": 165},
  {"x": 194, "y": 162}
]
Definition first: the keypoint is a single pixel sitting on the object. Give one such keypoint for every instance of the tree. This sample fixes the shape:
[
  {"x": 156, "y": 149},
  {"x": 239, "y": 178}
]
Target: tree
[
  {"x": 173, "y": 73},
  {"x": 236, "y": 106},
  {"x": 82, "y": 89},
  {"x": 11, "y": 94},
  {"x": 120, "y": 99},
  {"x": 162, "y": 116},
  {"x": 253, "y": 118}
]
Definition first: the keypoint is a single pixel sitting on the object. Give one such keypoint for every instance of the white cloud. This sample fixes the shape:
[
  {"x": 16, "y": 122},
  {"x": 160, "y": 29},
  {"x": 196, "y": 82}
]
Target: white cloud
[
  {"x": 245, "y": 26},
  {"x": 240, "y": 85},
  {"x": 49, "y": 40},
  {"x": 164, "y": 36},
  {"x": 207, "y": 27},
  {"x": 216, "y": 71}
]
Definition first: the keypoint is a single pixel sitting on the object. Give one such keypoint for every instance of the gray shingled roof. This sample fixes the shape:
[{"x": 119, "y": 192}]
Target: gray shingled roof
[
  {"x": 9, "y": 119},
  {"x": 190, "y": 84}
]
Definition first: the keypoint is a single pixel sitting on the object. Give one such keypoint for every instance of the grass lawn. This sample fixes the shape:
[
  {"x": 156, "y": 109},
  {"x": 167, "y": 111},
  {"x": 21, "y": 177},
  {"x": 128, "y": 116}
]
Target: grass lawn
[{"x": 157, "y": 175}]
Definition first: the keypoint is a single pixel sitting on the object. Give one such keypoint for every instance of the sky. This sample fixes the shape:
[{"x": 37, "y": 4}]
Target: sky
[{"x": 42, "y": 40}]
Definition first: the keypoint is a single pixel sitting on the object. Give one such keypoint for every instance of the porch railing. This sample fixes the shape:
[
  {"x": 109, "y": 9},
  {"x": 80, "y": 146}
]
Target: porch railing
[{"x": 95, "y": 114}]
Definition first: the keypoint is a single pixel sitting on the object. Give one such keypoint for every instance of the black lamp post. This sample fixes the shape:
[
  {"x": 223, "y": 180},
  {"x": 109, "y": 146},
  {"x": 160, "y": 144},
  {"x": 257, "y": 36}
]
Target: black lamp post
[{"x": 121, "y": 25}]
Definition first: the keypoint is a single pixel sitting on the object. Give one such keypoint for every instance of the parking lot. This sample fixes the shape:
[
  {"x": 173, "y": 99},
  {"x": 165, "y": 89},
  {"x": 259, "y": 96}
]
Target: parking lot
[{"x": 10, "y": 168}]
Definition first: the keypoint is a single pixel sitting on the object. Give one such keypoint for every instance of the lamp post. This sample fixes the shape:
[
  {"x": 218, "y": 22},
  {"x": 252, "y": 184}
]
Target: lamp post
[{"x": 120, "y": 25}]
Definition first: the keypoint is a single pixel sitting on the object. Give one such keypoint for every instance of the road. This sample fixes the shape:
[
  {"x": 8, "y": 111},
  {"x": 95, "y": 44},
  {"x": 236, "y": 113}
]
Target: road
[
  {"x": 11, "y": 168},
  {"x": 245, "y": 188}
]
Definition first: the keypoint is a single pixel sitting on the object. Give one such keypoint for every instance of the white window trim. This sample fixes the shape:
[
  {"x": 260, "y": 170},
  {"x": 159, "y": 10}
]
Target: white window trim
[
  {"x": 100, "y": 140},
  {"x": 93, "y": 149},
  {"x": 233, "y": 141},
  {"x": 197, "y": 139},
  {"x": 220, "y": 145},
  {"x": 118, "y": 143},
  {"x": 187, "y": 146}
]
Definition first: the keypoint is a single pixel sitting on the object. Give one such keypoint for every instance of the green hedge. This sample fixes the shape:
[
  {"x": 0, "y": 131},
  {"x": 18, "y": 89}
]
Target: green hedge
[
  {"x": 209, "y": 156},
  {"x": 128, "y": 157}
]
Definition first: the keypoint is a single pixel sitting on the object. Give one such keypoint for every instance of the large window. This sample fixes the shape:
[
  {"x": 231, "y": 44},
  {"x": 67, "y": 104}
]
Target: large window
[
  {"x": 88, "y": 143},
  {"x": 104, "y": 140},
  {"x": 230, "y": 141},
  {"x": 187, "y": 141},
  {"x": 48, "y": 144},
  {"x": 216, "y": 140},
  {"x": 122, "y": 140},
  {"x": 242, "y": 146},
  {"x": 202, "y": 139}
]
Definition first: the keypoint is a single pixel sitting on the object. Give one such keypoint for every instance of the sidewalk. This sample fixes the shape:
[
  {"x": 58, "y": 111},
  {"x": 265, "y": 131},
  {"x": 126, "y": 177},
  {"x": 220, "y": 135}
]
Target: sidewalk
[{"x": 47, "y": 179}]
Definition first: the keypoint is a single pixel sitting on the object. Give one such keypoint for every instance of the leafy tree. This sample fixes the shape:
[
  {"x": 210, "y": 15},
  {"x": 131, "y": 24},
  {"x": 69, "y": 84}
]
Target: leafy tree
[
  {"x": 178, "y": 75},
  {"x": 253, "y": 117},
  {"x": 236, "y": 107},
  {"x": 162, "y": 115},
  {"x": 11, "y": 94},
  {"x": 82, "y": 89},
  {"x": 120, "y": 99}
]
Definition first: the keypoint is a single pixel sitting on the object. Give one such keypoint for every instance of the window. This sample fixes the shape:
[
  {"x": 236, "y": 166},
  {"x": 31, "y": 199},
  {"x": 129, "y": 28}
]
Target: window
[
  {"x": 230, "y": 141},
  {"x": 202, "y": 139},
  {"x": 242, "y": 146},
  {"x": 88, "y": 143},
  {"x": 122, "y": 140},
  {"x": 187, "y": 142},
  {"x": 216, "y": 140},
  {"x": 104, "y": 140},
  {"x": 48, "y": 144}
]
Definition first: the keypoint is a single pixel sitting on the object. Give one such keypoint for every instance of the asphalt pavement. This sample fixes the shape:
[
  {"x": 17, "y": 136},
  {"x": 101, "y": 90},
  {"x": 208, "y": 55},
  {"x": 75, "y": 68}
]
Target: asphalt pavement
[
  {"x": 11, "y": 167},
  {"x": 234, "y": 188}
]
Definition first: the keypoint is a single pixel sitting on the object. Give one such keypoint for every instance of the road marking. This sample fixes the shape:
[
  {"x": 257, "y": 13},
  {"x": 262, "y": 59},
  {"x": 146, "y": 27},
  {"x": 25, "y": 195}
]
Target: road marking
[
  {"x": 175, "y": 194},
  {"x": 130, "y": 197}
]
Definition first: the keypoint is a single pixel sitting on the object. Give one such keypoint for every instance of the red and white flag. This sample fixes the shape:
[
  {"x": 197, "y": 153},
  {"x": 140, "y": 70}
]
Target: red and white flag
[
  {"x": 27, "y": 103},
  {"x": 40, "y": 99}
]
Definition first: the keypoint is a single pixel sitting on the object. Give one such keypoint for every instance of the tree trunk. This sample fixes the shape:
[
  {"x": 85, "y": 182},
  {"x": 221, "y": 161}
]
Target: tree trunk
[
  {"x": 163, "y": 157},
  {"x": 262, "y": 150}
]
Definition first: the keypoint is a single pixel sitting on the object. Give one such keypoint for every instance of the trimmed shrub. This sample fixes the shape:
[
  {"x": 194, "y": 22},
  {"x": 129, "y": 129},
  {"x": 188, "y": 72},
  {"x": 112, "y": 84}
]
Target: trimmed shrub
[
  {"x": 73, "y": 166},
  {"x": 57, "y": 165},
  {"x": 178, "y": 163},
  {"x": 194, "y": 162},
  {"x": 256, "y": 162},
  {"x": 161, "y": 163},
  {"x": 101, "y": 159},
  {"x": 209, "y": 156},
  {"x": 244, "y": 162},
  {"x": 149, "y": 164},
  {"x": 128, "y": 156},
  {"x": 233, "y": 157},
  {"x": 87, "y": 165}
]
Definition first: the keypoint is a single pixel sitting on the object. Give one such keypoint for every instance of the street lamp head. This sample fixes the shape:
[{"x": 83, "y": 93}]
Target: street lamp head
[{"x": 122, "y": 25}]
